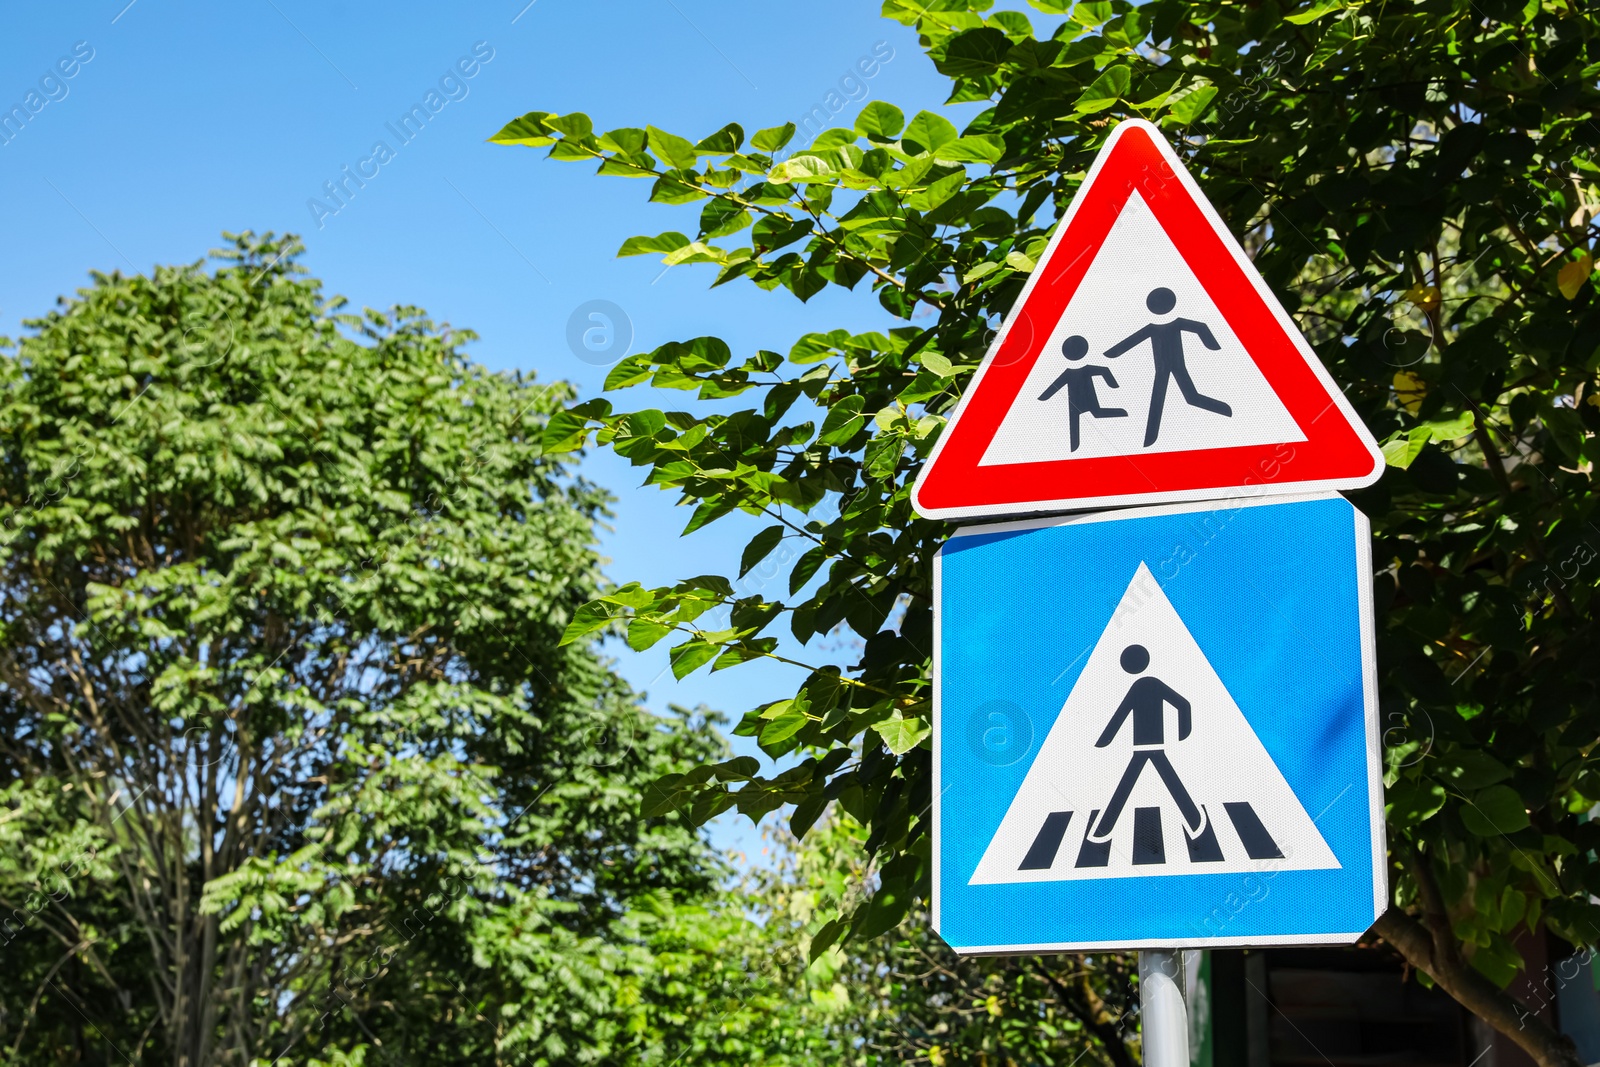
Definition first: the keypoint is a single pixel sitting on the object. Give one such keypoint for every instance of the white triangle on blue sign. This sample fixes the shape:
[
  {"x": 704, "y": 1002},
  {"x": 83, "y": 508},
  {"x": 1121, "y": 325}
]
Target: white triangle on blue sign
[{"x": 1128, "y": 785}]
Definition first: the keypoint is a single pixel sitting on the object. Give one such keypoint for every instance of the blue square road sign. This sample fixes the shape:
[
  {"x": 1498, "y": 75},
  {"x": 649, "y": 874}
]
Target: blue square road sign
[{"x": 1158, "y": 728}]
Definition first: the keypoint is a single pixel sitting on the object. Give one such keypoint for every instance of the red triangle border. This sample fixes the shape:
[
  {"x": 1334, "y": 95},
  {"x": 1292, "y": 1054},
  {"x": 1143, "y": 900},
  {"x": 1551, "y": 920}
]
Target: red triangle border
[{"x": 1338, "y": 453}]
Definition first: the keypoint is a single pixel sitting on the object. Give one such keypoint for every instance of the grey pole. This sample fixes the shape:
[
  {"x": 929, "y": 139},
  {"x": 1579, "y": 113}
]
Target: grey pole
[{"x": 1163, "y": 1020}]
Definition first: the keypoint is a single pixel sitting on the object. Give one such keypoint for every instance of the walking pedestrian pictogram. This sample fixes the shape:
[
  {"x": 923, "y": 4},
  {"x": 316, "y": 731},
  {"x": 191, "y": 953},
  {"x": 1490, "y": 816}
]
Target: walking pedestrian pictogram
[
  {"x": 1146, "y": 700},
  {"x": 1185, "y": 378}
]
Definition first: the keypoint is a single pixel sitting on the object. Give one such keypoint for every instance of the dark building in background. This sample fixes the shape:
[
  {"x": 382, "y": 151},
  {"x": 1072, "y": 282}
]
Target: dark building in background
[{"x": 1363, "y": 1007}]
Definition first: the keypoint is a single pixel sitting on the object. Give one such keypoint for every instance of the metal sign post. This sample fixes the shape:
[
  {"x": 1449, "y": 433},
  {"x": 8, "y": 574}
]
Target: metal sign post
[{"x": 1163, "y": 1018}]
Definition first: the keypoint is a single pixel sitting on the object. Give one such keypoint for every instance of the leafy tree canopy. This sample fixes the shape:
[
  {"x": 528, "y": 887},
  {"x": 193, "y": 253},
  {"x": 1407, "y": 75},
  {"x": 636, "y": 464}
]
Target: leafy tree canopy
[
  {"x": 291, "y": 756},
  {"x": 1416, "y": 182}
]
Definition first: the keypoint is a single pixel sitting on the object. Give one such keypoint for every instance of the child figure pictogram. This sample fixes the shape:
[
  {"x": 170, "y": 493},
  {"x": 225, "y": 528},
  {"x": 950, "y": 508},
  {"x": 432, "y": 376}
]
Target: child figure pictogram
[{"x": 1079, "y": 383}]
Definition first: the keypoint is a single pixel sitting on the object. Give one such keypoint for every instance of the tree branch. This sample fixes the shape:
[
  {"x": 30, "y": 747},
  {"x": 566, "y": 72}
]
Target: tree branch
[
  {"x": 1085, "y": 1005},
  {"x": 1430, "y": 946}
]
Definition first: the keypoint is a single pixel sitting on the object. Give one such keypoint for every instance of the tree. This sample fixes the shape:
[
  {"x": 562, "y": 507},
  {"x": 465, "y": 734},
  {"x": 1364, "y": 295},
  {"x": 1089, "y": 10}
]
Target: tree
[
  {"x": 1417, "y": 184},
  {"x": 742, "y": 980},
  {"x": 291, "y": 755},
  {"x": 906, "y": 997}
]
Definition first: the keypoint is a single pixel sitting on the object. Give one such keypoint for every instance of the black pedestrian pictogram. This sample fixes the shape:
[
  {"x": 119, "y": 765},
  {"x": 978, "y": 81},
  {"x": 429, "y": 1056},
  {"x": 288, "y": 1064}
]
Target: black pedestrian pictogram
[
  {"x": 1079, "y": 383},
  {"x": 1146, "y": 703},
  {"x": 1166, "y": 343}
]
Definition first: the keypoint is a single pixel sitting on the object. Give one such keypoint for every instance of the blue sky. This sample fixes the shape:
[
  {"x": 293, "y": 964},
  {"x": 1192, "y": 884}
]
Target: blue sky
[{"x": 189, "y": 119}]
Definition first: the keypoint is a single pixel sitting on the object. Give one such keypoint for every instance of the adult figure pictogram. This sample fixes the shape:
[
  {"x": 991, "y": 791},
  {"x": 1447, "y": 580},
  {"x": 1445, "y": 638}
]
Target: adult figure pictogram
[
  {"x": 1079, "y": 383},
  {"x": 1166, "y": 342},
  {"x": 1146, "y": 702}
]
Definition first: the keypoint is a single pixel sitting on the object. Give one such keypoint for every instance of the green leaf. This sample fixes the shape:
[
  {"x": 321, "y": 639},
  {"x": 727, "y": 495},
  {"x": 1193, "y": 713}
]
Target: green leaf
[
  {"x": 1450, "y": 430},
  {"x": 695, "y": 252},
  {"x": 832, "y": 137},
  {"x": 691, "y": 656},
  {"x": 773, "y": 137},
  {"x": 1402, "y": 449},
  {"x": 806, "y": 566},
  {"x": 1499, "y": 962},
  {"x": 886, "y": 910},
  {"x": 1191, "y": 104},
  {"x": 1089, "y": 14},
  {"x": 1469, "y": 769},
  {"x": 725, "y": 142},
  {"x": 630, "y": 371},
  {"x": 529, "y": 130},
  {"x": 982, "y": 270},
  {"x": 672, "y": 148},
  {"x": 803, "y": 168},
  {"x": 565, "y": 432},
  {"x": 1020, "y": 262},
  {"x": 595, "y": 615},
  {"x": 694, "y": 356},
  {"x": 1495, "y": 811},
  {"x": 1314, "y": 12},
  {"x": 782, "y": 728},
  {"x": 902, "y": 735},
  {"x": 760, "y": 546},
  {"x": 664, "y": 796},
  {"x": 806, "y": 814},
  {"x": 880, "y": 121},
  {"x": 1338, "y": 36},
  {"x": 669, "y": 189},
  {"x": 575, "y": 125},
  {"x": 977, "y": 53},
  {"x": 738, "y": 769},
  {"x": 927, "y": 133},
  {"x": 823, "y": 939},
  {"x": 627, "y": 141},
  {"x": 883, "y": 455},
  {"x": 780, "y": 707},
  {"x": 633, "y": 596},
  {"x": 844, "y": 420},
  {"x": 721, "y": 217},
  {"x": 983, "y": 148},
  {"x": 1408, "y": 803},
  {"x": 1105, "y": 91},
  {"x": 775, "y": 231},
  {"x": 643, "y": 633},
  {"x": 670, "y": 241}
]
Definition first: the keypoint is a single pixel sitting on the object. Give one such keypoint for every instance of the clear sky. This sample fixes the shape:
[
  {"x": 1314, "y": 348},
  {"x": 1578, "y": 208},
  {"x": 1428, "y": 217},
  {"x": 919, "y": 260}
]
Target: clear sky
[{"x": 182, "y": 119}]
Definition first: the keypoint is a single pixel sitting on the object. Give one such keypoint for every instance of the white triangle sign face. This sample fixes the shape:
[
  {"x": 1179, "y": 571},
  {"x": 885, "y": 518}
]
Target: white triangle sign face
[
  {"x": 1146, "y": 361},
  {"x": 1150, "y": 769},
  {"x": 1116, "y": 415}
]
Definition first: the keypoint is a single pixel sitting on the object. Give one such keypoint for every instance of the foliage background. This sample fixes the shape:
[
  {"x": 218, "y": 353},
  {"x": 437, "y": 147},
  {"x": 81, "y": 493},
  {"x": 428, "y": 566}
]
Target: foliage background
[
  {"x": 290, "y": 755},
  {"x": 1417, "y": 184}
]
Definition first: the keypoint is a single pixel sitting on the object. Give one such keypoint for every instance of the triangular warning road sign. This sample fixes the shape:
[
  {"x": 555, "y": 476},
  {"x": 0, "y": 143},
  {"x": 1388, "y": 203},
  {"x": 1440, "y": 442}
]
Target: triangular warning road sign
[
  {"x": 1146, "y": 361},
  {"x": 1150, "y": 769}
]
